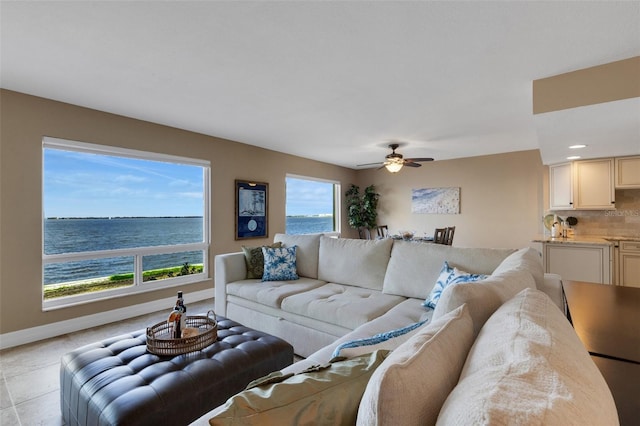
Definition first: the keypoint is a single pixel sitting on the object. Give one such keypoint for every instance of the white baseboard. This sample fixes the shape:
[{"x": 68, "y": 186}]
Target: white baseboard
[{"x": 29, "y": 335}]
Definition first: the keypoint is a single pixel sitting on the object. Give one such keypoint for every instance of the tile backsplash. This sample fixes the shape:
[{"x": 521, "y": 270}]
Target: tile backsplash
[{"x": 624, "y": 221}]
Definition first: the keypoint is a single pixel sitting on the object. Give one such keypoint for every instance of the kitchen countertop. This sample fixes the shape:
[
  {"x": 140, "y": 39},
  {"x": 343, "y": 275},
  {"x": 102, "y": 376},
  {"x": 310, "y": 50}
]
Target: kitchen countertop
[{"x": 583, "y": 239}]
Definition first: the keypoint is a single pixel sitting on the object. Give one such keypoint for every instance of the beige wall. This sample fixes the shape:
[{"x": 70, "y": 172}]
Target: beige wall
[
  {"x": 501, "y": 198},
  {"x": 603, "y": 83},
  {"x": 26, "y": 119},
  {"x": 501, "y": 195}
]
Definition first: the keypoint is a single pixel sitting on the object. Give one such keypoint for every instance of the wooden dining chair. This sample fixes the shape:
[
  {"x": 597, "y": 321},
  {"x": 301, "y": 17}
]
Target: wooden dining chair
[
  {"x": 440, "y": 235},
  {"x": 383, "y": 231},
  {"x": 448, "y": 240}
]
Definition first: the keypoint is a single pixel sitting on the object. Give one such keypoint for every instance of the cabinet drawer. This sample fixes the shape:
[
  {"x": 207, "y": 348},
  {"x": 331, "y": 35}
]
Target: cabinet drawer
[{"x": 630, "y": 246}]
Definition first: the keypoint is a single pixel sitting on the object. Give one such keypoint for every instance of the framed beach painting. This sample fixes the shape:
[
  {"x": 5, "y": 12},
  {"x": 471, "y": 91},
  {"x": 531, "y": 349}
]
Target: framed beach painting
[
  {"x": 252, "y": 201},
  {"x": 436, "y": 200}
]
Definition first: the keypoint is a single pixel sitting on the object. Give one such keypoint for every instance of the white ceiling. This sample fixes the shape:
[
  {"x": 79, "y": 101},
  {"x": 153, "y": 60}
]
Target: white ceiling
[{"x": 331, "y": 81}]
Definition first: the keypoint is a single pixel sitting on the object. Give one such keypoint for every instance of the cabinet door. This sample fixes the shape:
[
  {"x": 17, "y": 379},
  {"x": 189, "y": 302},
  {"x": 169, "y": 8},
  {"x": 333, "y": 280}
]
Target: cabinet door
[
  {"x": 560, "y": 187},
  {"x": 628, "y": 172},
  {"x": 590, "y": 263},
  {"x": 593, "y": 184},
  {"x": 629, "y": 264}
]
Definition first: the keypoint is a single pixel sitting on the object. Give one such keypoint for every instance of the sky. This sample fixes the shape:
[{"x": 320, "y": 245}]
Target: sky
[
  {"x": 78, "y": 184},
  {"x": 309, "y": 197}
]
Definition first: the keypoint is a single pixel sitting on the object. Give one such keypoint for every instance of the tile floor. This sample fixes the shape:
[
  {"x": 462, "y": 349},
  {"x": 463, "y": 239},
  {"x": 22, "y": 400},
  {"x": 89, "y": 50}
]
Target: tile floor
[{"x": 29, "y": 374}]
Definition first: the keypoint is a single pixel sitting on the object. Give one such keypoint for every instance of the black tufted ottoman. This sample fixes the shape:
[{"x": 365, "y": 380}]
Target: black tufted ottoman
[{"x": 117, "y": 382}]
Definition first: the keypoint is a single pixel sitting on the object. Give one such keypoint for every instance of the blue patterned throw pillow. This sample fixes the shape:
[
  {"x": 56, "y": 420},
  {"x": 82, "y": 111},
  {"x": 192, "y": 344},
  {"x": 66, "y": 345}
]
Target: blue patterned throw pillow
[
  {"x": 388, "y": 340},
  {"x": 448, "y": 276},
  {"x": 279, "y": 264}
]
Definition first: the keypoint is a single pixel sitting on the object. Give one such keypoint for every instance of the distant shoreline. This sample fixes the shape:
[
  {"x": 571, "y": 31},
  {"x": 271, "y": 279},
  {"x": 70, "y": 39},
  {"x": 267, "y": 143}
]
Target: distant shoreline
[
  {"x": 124, "y": 217},
  {"x": 311, "y": 215},
  {"x": 163, "y": 217}
]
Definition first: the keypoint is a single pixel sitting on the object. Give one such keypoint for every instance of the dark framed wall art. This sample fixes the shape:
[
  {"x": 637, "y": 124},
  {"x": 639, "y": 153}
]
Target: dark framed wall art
[{"x": 252, "y": 205}]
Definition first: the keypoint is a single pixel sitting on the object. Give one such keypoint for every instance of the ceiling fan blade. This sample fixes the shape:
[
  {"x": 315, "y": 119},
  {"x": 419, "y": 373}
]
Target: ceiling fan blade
[
  {"x": 419, "y": 160},
  {"x": 412, "y": 164},
  {"x": 370, "y": 164}
]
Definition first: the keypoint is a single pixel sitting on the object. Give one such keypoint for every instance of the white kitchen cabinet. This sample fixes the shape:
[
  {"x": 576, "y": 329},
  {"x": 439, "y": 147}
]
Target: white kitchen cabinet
[
  {"x": 629, "y": 263},
  {"x": 561, "y": 186},
  {"x": 627, "y": 171},
  {"x": 582, "y": 185},
  {"x": 579, "y": 262},
  {"x": 593, "y": 184}
]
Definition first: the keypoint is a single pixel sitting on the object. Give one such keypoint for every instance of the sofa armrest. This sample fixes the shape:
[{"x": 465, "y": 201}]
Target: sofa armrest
[
  {"x": 552, "y": 286},
  {"x": 229, "y": 267}
]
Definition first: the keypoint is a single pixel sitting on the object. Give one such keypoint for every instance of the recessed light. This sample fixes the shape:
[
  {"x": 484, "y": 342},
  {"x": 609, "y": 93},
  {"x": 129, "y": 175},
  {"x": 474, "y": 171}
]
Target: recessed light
[
  {"x": 577, "y": 146},
  {"x": 573, "y": 157}
]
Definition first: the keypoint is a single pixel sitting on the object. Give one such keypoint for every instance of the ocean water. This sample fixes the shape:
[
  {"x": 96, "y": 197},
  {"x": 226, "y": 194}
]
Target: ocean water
[
  {"x": 93, "y": 234},
  {"x": 309, "y": 224}
]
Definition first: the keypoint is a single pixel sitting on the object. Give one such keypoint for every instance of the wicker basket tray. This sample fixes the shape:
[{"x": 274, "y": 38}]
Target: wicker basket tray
[{"x": 159, "y": 341}]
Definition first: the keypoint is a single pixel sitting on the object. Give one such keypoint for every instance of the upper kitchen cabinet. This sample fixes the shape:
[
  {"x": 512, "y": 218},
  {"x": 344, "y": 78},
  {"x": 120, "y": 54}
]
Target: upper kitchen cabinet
[
  {"x": 593, "y": 185},
  {"x": 582, "y": 185},
  {"x": 561, "y": 187},
  {"x": 628, "y": 172}
]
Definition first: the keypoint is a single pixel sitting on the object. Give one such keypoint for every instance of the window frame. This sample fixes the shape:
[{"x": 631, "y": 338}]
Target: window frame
[
  {"x": 337, "y": 200},
  {"x": 138, "y": 286}
]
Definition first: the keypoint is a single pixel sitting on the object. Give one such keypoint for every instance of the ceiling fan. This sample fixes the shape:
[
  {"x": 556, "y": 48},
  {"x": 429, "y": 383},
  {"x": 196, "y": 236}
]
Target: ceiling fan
[{"x": 394, "y": 161}]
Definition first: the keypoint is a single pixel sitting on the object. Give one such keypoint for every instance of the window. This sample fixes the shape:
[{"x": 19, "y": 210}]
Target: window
[
  {"x": 119, "y": 221},
  {"x": 312, "y": 205}
]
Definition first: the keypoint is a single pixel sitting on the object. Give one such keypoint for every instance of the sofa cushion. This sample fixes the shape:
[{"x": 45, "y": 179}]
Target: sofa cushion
[
  {"x": 279, "y": 264},
  {"x": 414, "y": 267},
  {"x": 528, "y": 349},
  {"x": 408, "y": 312},
  {"x": 528, "y": 259},
  {"x": 388, "y": 340},
  {"x": 361, "y": 263},
  {"x": 254, "y": 259},
  {"x": 346, "y": 306},
  {"x": 306, "y": 253},
  {"x": 411, "y": 385},
  {"x": 271, "y": 293},
  {"x": 448, "y": 276},
  {"x": 484, "y": 297},
  {"x": 323, "y": 397}
]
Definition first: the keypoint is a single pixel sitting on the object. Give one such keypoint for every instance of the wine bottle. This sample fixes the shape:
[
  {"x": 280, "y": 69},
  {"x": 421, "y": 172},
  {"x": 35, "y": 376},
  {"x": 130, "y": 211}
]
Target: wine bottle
[{"x": 178, "y": 317}]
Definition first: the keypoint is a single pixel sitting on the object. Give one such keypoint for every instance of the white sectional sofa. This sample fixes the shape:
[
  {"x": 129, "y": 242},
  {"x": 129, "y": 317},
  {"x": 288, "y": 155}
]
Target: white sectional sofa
[
  {"x": 345, "y": 283},
  {"x": 495, "y": 351}
]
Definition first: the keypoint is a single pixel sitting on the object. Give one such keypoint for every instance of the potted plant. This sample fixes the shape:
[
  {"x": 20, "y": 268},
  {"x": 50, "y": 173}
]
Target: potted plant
[{"x": 361, "y": 209}]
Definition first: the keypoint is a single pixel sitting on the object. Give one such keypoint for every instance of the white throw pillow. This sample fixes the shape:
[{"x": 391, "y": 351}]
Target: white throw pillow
[
  {"x": 411, "y": 385},
  {"x": 527, "y": 259},
  {"x": 528, "y": 367}
]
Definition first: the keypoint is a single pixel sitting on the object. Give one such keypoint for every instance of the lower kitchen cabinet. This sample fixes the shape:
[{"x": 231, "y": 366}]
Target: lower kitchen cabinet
[
  {"x": 579, "y": 262},
  {"x": 629, "y": 263}
]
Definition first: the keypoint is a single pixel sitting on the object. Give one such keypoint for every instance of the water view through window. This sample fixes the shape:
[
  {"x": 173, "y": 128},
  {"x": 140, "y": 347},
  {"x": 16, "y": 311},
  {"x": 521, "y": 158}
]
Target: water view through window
[
  {"x": 311, "y": 205},
  {"x": 117, "y": 218}
]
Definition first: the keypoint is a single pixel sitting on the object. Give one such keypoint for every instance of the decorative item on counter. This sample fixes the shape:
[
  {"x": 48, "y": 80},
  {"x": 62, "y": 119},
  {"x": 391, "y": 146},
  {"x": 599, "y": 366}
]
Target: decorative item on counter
[
  {"x": 556, "y": 227},
  {"x": 547, "y": 221},
  {"x": 570, "y": 222}
]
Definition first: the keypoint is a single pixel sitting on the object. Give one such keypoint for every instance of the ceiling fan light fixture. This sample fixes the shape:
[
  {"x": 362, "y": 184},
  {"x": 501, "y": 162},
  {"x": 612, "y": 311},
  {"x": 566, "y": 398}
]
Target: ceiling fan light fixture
[{"x": 394, "y": 165}]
